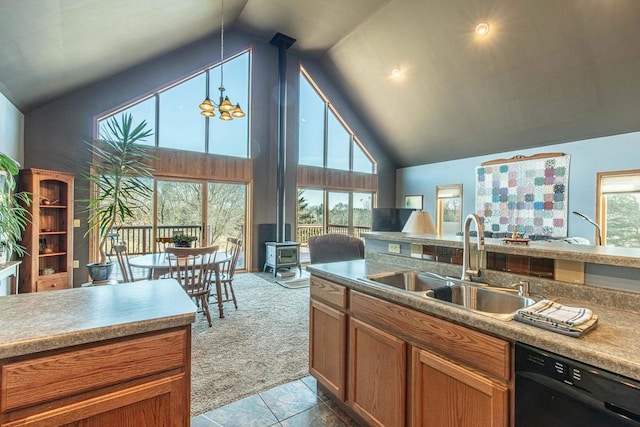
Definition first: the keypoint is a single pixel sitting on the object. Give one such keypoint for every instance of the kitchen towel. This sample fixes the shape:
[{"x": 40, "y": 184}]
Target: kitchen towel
[{"x": 573, "y": 321}]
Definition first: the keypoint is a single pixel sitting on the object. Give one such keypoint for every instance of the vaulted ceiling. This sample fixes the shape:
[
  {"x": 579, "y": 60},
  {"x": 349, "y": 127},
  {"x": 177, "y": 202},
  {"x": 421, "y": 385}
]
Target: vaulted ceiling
[{"x": 549, "y": 71}]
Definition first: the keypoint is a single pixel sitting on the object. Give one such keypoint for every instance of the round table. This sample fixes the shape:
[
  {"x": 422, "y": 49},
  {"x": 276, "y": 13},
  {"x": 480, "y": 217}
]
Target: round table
[{"x": 157, "y": 265}]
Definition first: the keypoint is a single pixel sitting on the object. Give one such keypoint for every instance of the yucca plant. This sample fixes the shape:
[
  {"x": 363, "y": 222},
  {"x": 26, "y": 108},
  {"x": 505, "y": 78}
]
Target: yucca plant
[
  {"x": 13, "y": 213},
  {"x": 120, "y": 168}
]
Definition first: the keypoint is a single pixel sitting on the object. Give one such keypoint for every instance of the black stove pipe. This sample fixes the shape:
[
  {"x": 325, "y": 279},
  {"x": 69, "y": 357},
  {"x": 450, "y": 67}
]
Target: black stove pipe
[{"x": 282, "y": 42}]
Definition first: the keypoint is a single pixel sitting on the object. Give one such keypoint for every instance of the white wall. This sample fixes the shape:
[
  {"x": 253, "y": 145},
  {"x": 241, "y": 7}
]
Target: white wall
[
  {"x": 611, "y": 153},
  {"x": 11, "y": 144},
  {"x": 11, "y": 130}
]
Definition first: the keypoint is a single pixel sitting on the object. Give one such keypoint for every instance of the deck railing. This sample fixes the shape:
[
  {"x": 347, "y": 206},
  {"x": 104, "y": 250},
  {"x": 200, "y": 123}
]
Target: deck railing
[
  {"x": 307, "y": 230},
  {"x": 140, "y": 241}
]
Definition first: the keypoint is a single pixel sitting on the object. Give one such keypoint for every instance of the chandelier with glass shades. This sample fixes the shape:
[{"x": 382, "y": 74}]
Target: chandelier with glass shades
[{"x": 225, "y": 107}]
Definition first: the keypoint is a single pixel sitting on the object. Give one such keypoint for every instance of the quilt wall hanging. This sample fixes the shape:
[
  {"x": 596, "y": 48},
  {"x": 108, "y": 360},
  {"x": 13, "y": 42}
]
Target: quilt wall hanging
[{"x": 527, "y": 192}]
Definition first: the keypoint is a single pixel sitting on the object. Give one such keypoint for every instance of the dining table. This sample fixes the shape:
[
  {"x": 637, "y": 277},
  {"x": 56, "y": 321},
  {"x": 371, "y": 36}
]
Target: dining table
[{"x": 157, "y": 265}]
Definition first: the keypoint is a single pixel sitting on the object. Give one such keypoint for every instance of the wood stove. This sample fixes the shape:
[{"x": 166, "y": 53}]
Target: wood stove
[{"x": 282, "y": 255}]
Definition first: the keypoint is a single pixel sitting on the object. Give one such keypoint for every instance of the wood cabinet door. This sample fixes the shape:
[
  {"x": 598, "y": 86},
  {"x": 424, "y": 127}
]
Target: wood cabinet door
[
  {"x": 377, "y": 375},
  {"x": 157, "y": 403},
  {"x": 327, "y": 347},
  {"x": 444, "y": 394}
]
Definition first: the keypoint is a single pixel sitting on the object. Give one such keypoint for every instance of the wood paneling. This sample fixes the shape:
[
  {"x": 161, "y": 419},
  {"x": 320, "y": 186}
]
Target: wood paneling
[
  {"x": 314, "y": 177},
  {"x": 185, "y": 164}
]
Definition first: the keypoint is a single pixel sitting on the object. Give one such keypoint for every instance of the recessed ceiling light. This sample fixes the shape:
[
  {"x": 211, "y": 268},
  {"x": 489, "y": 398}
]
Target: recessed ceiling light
[
  {"x": 482, "y": 29},
  {"x": 396, "y": 73}
]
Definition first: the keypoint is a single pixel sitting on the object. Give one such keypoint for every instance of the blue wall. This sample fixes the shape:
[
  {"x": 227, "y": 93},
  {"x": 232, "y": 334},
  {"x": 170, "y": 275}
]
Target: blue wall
[{"x": 611, "y": 153}]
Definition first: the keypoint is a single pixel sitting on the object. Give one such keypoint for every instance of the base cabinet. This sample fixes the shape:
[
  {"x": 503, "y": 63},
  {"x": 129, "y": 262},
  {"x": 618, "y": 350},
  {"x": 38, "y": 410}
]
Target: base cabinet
[
  {"x": 404, "y": 367},
  {"x": 445, "y": 394},
  {"x": 327, "y": 347},
  {"x": 377, "y": 375},
  {"x": 140, "y": 381}
]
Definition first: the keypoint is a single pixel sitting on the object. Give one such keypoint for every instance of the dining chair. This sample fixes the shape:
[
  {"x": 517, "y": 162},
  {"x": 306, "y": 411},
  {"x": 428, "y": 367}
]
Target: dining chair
[
  {"x": 122, "y": 254},
  {"x": 163, "y": 243},
  {"x": 193, "y": 268},
  {"x": 228, "y": 271}
]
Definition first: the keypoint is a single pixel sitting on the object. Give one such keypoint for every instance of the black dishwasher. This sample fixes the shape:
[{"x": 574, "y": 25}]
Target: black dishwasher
[{"x": 553, "y": 391}]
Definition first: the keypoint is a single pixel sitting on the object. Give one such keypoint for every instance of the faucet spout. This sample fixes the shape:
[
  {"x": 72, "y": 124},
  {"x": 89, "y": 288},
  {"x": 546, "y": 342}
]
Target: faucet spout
[{"x": 467, "y": 271}]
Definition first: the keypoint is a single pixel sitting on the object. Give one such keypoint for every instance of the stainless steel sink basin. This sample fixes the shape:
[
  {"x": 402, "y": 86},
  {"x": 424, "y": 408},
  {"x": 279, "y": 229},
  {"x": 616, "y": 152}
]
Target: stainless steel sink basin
[
  {"x": 414, "y": 281},
  {"x": 500, "y": 303}
]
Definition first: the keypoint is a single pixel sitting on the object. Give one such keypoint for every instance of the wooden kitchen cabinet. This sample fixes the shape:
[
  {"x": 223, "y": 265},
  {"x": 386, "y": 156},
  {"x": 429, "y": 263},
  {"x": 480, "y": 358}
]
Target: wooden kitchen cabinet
[
  {"x": 445, "y": 394},
  {"x": 143, "y": 380},
  {"x": 328, "y": 335},
  {"x": 327, "y": 347},
  {"x": 405, "y": 367},
  {"x": 377, "y": 375},
  {"x": 48, "y": 237}
]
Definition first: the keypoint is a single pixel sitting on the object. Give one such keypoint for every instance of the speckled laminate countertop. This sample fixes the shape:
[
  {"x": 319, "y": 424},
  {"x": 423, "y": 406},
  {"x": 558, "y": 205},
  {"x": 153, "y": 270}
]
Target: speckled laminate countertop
[
  {"x": 30, "y": 323},
  {"x": 610, "y": 255},
  {"x": 614, "y": 345}
]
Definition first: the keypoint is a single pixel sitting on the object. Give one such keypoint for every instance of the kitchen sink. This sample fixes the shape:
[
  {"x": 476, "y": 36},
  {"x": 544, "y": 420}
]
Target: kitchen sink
[
  {"x": 500, "y": 303},
  {"x": 413, "y": 281},
  {"x": 496, "y": 302}
]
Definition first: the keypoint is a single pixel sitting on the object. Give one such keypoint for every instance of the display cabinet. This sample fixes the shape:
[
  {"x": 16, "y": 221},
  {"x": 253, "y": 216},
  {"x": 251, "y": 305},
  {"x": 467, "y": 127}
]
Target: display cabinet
[{"x": 48, "y": 238}]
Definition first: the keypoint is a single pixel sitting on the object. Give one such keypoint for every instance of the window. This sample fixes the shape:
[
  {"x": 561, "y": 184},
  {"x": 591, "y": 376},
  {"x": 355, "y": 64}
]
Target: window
[
  {"x": 449, "y": 208},
  {"x": 173, "y": 114},
  {"x": 618, "y": 208},
  {"x": 325, "y": 140},
  {"x": 346, "y": 212}
]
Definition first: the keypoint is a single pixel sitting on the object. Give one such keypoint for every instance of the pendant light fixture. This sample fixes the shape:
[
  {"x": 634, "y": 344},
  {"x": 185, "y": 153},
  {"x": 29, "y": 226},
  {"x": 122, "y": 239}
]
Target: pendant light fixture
[{"x": 225, "y": 107}]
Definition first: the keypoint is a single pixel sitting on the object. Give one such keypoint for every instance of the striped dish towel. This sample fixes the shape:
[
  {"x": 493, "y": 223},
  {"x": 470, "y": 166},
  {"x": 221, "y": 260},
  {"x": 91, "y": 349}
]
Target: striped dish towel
[{"x": 556, "y": 315}]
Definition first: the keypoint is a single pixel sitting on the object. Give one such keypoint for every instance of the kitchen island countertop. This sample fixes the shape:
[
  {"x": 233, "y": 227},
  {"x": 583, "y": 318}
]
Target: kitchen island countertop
[{"x": 35, "y": 322}]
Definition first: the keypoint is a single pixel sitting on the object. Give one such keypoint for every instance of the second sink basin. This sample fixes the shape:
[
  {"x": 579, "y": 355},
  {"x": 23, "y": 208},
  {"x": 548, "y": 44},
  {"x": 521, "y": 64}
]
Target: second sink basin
[{"x": 491, "y": 301}]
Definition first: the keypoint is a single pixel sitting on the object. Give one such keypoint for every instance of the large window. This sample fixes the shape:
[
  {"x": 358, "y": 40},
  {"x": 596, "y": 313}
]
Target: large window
[
  {"x": 173, "y": 115},
  {"x": 618, "y": 208},
  {"x": 345, "y": 212},
  {"x": 325, "y": 140}
]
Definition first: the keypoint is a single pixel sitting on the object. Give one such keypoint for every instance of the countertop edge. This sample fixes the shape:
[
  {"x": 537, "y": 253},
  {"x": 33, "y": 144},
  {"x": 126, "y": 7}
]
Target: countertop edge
[{"x": 104, "y": 333}]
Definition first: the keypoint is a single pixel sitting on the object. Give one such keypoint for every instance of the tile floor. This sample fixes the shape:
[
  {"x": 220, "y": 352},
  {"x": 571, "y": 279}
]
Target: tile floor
[{"x": 295, "y": 404}]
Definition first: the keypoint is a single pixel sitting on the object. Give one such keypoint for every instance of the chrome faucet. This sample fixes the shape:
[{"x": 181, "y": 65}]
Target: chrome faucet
[
  {"x": 467, "y": 271},
  {"x": 524, "y": 288}
]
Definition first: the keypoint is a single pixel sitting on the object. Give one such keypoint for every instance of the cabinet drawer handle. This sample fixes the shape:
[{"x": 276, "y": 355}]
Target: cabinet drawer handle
[{"x": 53, "y": 285}]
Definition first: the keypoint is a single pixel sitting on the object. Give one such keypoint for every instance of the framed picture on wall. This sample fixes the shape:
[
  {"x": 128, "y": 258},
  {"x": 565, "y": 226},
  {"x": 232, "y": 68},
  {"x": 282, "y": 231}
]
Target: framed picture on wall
[{"x": 413, "y": 202}]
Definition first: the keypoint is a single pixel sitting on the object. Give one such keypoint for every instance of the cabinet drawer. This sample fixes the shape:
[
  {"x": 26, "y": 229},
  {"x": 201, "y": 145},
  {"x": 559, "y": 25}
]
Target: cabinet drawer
[
  {"x": 329, "y": 292},
  {"x": 472, "y": 348},
  {"x": 59, "y": 281},
  {"x": 41, "y": 379}
]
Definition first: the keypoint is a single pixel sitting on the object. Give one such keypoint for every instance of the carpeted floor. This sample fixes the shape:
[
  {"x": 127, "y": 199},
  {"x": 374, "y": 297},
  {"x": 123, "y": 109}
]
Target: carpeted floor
[{"x": 262, "y": 344}]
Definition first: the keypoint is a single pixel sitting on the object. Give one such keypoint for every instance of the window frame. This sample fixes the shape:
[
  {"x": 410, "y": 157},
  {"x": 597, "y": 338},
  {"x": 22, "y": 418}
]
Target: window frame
[{"x": 601, "y": 205}]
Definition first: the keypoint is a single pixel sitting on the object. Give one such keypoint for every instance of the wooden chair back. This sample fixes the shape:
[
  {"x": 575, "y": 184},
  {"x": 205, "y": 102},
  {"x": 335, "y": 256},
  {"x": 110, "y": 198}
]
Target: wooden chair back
[
  {"x": 192, "y": 267},
  {"x": 122, "y": 254},
  {"x": 163, "y": 243}
]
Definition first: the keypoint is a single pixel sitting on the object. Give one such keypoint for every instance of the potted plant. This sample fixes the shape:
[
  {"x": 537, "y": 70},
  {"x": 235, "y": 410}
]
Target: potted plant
[
  {"x": 13, "y": 214},
  {"x": 183, "y": 240},
  {"x": 120, "y": 167}
]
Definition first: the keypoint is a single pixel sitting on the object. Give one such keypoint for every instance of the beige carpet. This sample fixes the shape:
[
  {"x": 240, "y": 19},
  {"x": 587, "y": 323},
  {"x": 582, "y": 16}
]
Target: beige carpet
[{"x": 262, "y": 344}]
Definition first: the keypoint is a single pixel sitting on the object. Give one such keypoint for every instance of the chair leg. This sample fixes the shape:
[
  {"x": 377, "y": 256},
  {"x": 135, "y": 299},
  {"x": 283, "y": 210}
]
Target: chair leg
[
  {"x": 233, "y": 295},
  {"x": 205, "y": 308}
]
